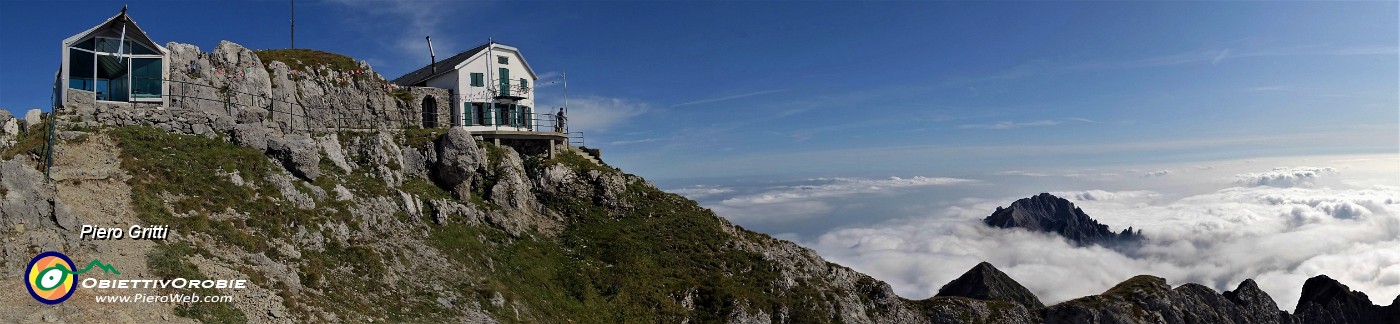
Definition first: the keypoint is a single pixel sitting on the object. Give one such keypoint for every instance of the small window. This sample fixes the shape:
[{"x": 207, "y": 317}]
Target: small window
[
  {"x": 502, "y": 60},
  {"x": 478, "y": 80},
  {"x": 524, "y": 84}
]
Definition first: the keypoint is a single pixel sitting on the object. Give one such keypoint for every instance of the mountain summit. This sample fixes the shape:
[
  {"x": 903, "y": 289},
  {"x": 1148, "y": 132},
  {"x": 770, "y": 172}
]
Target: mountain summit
[
  {"x": 985, "y": 282},
  {"x": 1047, "y": 213}
]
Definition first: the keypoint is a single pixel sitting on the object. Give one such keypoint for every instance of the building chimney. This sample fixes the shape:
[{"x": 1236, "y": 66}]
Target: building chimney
[{"x": 432, "y": 54}]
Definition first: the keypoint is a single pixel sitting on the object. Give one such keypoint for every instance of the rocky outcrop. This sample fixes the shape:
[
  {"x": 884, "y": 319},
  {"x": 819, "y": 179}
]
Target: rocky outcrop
[
  {"x": 986, "y": 282},
  {"x": 1255, "y": 305},
  {"x": 298, "y": 153},
  {"x": 460, "y": 162},
  {"x": 1047, "y": 213},
  {"x": 1325, "y": 300},
  {"x": 31, "y": 214}
]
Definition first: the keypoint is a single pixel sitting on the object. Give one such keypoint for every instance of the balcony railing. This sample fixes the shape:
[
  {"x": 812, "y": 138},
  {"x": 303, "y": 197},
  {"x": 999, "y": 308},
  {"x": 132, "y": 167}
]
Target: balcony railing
[
  {"x": 510, "y": 89},
  {"x": 506, "y": 118}
]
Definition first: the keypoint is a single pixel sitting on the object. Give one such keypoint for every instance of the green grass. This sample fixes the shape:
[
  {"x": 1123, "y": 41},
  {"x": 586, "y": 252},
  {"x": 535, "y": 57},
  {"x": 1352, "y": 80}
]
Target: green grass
[
  {"x": 578, "y": 163},
  {"x": 634, "y": 267},
  {"x": 422, "y": 138},
  {"x": 629, "y": 265},
  {"x": 31, "y": 141},
  {"x": 173, "y": 182},
  {"x": 300, "y": 59},
  {"x": 1136, "y": 284},
  {"x": 168, "y": 262},
  {"x": 402, "y": 94}
]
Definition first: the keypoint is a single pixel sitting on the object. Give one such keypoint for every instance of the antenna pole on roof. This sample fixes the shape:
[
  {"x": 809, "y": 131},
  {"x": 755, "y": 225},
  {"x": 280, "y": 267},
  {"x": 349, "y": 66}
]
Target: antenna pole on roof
[
  {"x": 432, "y": 54},
  {"x": 565, "y": 74},
  {"x": 294, "y": 24}
]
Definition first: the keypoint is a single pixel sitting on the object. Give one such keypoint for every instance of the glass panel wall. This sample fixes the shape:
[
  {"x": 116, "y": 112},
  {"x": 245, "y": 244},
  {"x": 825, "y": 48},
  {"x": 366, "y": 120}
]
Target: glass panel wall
[
  {"x": 80, "y": 70},
  {"x": 113, "y": 77},
  {"x": 145, "y": 77}
]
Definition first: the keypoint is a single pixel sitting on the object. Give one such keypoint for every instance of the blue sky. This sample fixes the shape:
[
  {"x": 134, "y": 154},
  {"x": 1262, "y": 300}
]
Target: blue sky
[{"x": 692, "y": 91}]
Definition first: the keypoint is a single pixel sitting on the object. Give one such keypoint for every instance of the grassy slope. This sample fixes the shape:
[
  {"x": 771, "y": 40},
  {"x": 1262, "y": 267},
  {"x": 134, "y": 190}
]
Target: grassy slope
[{"x": 634, "y": 266}]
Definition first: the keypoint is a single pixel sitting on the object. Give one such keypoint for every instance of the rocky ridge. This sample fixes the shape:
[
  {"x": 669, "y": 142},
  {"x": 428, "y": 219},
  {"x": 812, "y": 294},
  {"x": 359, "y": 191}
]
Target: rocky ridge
[
  {"x": 1047, "y": 213},
  {"x": 416, "y": 225}
]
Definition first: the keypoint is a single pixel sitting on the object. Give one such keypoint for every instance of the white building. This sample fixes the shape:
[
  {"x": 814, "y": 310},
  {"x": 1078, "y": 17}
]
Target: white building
[
  {"x": 114, "y": 61},
  {"x": 492, "y": 87}
]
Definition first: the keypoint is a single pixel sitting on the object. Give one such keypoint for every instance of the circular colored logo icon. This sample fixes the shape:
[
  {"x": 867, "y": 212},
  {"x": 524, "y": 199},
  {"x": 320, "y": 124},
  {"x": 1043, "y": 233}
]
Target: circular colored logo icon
[{"x": 50, "y": 277}]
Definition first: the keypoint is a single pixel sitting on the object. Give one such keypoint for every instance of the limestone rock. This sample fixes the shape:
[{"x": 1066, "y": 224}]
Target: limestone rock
[
  {"x": 9, "y": 129},
  {"x": 298, "y": 153},
  {"x": 32, "y": 118},
  {"x": 459, "y": 161},
  {"x": 250, "y": 135}
]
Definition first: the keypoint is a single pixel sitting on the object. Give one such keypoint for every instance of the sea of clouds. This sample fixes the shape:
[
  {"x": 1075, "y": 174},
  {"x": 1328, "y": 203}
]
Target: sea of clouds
[{"x": 1278, "y": 221}]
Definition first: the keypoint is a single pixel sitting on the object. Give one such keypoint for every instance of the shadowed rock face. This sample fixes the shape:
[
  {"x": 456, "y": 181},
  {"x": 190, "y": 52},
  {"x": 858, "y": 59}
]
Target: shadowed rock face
[
  {"x": 1325, "y": 300},
  {"x": 1255, "y": 305},
  {"x": 985, "y": 282},
  {"x": 1047, "y": 213}
]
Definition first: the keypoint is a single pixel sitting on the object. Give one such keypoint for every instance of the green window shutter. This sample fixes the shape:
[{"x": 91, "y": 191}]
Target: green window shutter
[
  {"x": 505, "y": 81},
  {"x": 502, "y": 60},
  {"x": 524, "y": 84},
  {"x": 478, "y": 79}
]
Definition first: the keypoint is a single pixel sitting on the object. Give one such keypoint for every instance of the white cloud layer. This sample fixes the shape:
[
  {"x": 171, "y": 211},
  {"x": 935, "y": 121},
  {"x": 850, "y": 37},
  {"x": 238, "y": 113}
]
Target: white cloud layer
[
  {"x": 786, "y": 203},
  {"x": 1284, "y": 177},
  {"x": 1266, "y": 226},
  {"x": 699, "y": 192}
]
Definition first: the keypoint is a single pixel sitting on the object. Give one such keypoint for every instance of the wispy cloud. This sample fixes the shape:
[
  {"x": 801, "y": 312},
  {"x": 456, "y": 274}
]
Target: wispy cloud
[
  {"x": 597, "y": 113},
  {"x": 1022, "y": 173},
  {"x": 638, "y": 141},
  {"x": 1220, "y": 57},
  {"x": 1157, "y": 173},
  {"x": 1208, "y": 56},
  {"x": 1268, "y": 88},
  {"x": 1014, "y": 125},
  {"x": 700, "y": 192},
  {"x": 726, "y": 98},
  {"x": 788, "y": 203},
  {"x": 411, "y": 21},
  {"x": 549, "y": 80}
]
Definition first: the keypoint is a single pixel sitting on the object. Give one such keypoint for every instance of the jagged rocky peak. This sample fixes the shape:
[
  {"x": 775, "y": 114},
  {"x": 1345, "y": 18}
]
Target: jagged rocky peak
[
  {"x": 986, "y": 282},
  {"x": 1256, "y": 305},
  {"x": 1047, "y": 213},
  {"x": 1326, "y": 300}
]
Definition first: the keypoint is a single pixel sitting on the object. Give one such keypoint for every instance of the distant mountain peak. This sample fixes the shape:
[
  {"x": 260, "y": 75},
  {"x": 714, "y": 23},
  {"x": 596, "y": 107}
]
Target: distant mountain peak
[
  {"x": 986, "y": 282},
  {"x": 1048, "y": 213}
]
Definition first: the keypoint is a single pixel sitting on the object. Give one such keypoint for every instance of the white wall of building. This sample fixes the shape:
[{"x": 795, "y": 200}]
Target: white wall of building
[{"x": 486, "y": 62}]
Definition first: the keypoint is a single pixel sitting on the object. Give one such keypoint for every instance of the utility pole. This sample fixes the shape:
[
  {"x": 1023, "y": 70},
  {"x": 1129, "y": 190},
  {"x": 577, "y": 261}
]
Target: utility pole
[{"x": 294, "y": 24}]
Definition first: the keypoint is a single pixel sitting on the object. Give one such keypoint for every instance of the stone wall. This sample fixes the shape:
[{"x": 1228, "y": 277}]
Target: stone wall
[
  {"x": 230, "y": 92},
  {"x": 441, "y": 115}
]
